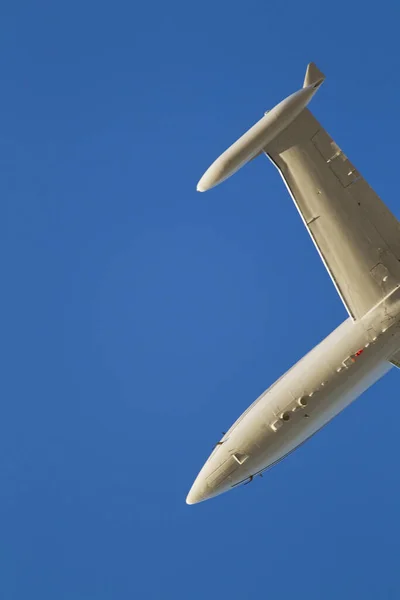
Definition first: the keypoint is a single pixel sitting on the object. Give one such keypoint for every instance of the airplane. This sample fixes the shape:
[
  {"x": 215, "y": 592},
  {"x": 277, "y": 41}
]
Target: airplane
[{"x": 358, "y": 240}]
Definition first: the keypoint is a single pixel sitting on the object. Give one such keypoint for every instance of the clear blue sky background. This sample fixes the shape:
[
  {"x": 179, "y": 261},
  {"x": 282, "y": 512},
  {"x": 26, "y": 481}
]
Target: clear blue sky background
[{"x": 140, "y": 318}]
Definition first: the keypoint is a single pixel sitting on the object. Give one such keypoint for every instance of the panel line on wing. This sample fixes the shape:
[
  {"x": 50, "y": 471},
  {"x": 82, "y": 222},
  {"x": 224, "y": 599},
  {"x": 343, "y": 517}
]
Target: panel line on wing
[
  {"x": 357, "y": 231},
  {"x": 335, "y": 283}
]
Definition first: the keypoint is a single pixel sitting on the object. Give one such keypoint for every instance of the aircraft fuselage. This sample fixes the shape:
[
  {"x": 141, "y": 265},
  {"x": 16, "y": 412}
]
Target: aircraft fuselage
[
  {"x": 326, "y": 380},
  {"x": 358, "y": 240}
]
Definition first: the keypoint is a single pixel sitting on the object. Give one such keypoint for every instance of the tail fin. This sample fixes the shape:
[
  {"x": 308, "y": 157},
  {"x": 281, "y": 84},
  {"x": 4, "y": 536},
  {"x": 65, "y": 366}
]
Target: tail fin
[{"x": 313, "y": 76}]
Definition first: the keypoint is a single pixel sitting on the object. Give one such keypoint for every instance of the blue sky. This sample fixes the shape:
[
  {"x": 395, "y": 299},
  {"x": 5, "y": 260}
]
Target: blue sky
[{"x": 140, "y": 318}]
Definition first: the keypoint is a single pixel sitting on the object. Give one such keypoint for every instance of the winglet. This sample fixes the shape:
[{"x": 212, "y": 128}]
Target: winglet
[{"x": 313, "y": 76}]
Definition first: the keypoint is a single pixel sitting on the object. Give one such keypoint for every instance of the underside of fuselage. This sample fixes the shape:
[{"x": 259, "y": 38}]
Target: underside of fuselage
[
  {"x": 358, "y": 240},
  {"x": 314, "y": 391}
]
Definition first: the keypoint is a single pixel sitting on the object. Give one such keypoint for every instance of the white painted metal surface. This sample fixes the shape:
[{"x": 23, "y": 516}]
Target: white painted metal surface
[{"x": 358, "y": 240}]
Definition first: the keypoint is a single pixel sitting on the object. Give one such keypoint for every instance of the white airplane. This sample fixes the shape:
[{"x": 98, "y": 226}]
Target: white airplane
[{"x": 358, "y": 240}]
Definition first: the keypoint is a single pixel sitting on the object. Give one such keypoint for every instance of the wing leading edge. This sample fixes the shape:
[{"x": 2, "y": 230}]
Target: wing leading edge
[{"x": 357, "y": 237}]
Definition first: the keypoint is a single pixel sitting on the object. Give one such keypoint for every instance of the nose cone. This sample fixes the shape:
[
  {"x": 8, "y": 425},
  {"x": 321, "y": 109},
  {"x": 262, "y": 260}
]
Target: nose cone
[
  {"x": 217, "y": 476},
  {"x": 198, "y": 492},
  {"x": 201, "y": 490}
]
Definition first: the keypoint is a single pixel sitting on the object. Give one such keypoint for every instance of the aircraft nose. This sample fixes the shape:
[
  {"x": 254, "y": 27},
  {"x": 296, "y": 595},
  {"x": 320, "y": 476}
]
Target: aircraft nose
[
  {"x": 202, "y": 488},
  {"x": 197, "y": 493},
  {"x": 214, "y": 478}
]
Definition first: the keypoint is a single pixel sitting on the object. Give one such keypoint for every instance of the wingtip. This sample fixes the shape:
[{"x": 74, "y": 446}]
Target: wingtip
[{"x": 313, "y": 75}]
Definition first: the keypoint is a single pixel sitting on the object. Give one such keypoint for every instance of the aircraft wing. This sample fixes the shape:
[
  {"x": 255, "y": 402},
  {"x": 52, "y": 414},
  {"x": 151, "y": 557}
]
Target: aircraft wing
[{"x": 357, "y": 237}]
